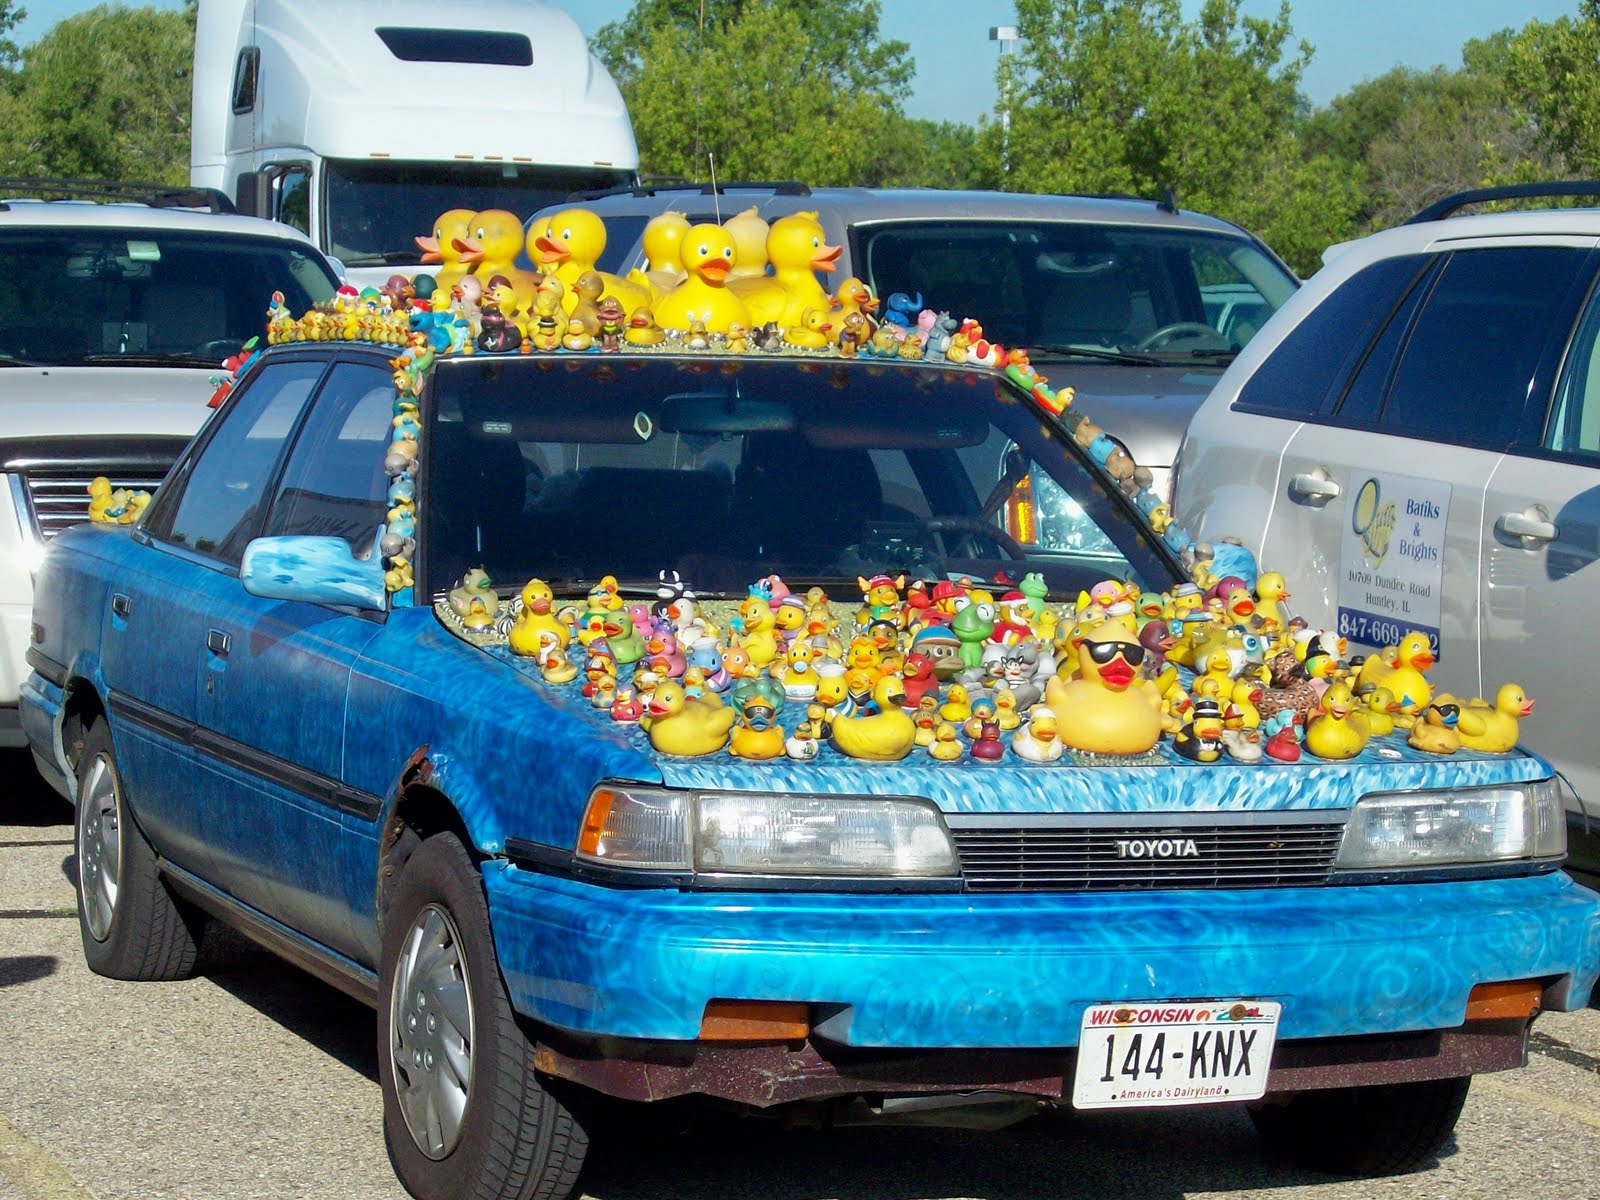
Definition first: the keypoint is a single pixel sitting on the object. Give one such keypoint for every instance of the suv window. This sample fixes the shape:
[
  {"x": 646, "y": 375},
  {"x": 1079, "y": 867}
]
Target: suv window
[
  {"x": 1575, "y": 420},
  {"x": 1466, "y": 368},
  {"x": 1297, "y": 376},
  {"x": 220, "y": 491},
  {"x": 334, "y": 484}
]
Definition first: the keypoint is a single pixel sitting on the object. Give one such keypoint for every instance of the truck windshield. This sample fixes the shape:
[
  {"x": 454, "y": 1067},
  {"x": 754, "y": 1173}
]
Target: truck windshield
[
  {"x": 376, "y": 210},
  {"x": 86, "y": 294}
]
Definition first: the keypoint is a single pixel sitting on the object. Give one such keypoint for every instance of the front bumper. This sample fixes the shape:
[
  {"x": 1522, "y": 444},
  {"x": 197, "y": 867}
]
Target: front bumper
[{"x": 924, "y": 972}]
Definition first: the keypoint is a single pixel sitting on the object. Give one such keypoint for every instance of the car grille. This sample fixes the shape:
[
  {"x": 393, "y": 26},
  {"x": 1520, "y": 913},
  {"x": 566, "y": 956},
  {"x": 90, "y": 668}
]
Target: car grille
[
  {"x": 54, "y": 473},
  {"x": 1146, "y": 856}
]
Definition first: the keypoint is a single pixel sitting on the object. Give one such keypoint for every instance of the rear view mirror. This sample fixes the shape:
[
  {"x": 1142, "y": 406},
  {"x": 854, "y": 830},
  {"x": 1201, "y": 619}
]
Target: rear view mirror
[{"x": 316, "y": 570}]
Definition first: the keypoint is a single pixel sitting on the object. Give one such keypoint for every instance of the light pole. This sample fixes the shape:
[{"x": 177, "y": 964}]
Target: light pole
[{"x": 1008, "y": 36}]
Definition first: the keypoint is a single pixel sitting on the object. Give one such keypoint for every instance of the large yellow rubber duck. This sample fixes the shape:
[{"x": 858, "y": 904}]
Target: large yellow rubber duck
[
  {"x": 708, "y": 256},
  {"x": 1108, "y": 708},
  {"x": 796, "y": 249},
  {"x": 567, "y": 245},
  {"x": 679, "y": 725},
  {"x": 1493, "y": 729},
  {"x": 886, "y": 736},
  {"x": 1403, "y": 676},
  {"x": 750, "y": 234},
  {"x": 663, "y": 260},
  {"x": 536, "y": 617},
  {"x": 1341, "y": 731},
  {"x": 491, "y": 247},
  {"x": 440, "y": 246}
]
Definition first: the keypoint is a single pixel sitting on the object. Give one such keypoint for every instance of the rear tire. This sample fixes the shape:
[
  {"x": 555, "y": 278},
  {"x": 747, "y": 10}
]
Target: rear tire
[
  {"x": 1383, "y": 1129},
  {"x": 133, "y": 927},
  {"x": 464, "y": 1113}
]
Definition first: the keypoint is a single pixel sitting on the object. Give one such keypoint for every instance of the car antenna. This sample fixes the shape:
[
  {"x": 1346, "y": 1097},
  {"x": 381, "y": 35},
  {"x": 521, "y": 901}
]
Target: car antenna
[
  {"x": 716, "y": 198},
  {"x": 1168, "y": 201}
]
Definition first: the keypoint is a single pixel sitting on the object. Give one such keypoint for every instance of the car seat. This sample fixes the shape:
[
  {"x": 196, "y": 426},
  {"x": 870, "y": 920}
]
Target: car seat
[
  {"x": 183, "y": 316},
  {"x": 799, "y": 504},
  {"x": 1092, "y": 308}
]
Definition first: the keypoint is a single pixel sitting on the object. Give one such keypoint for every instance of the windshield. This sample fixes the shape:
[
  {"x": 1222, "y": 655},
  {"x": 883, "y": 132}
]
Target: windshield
[
  {"x": 731, "y": 470},
  {"x": 376, "y": 210},
  {"x": 1126, "y": 293},
  {"x": 75, "y": 294}
]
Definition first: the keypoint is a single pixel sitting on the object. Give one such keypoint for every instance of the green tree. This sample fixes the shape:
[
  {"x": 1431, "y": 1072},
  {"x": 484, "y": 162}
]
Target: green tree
[
  {"x": 1127, "y": 96},
  {"x": 772, "y": 90},
  {"x": 104, "y": 94},
  {"x": 1553, "y": 72},
  {"x": 9, "y": 52}
]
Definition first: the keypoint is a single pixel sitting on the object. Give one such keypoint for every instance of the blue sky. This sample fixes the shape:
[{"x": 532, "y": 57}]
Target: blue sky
[{"x": 1354, "y": 39}]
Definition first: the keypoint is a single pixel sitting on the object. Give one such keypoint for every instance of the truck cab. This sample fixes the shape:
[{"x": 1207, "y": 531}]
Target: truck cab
[{"x": 360, "y": 126}]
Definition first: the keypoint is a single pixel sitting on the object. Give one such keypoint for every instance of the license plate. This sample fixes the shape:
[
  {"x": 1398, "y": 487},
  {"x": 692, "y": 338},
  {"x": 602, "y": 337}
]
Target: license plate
[{"x": 1141, "y": 1055}]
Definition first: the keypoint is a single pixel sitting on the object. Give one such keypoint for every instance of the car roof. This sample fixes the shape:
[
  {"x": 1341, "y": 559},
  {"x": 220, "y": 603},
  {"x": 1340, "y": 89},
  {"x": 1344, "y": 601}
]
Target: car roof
[
  {"x": 91, "y": 215},
  {"x": 1414, "y": 237},
  {"x": 862, "y": 206}
]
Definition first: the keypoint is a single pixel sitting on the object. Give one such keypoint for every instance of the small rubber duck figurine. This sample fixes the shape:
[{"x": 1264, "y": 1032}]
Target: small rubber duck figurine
[
  {"x": 1005, "y": 709},
  {"x": 956, "y": 706},
  {"x": 475, "y": 587},
  {"x": 1379, "y": 712},
  {"x": 1039, "y": 740},
  {"x": 1200, "y": 739},
  {"x": 691, "y": 728},
  {"x": 554, "y": 665},
  {"x": 802, "y": 745},
  {"x": 622, "y": 636},
  {"x": 982, "y": 713},
  {"x": 100, "y": 499},
  {"x": 926, "y": 719},
  {"x": 1341, "y": 731},
  {"x": 535, "y": 619},
  {"x": 1493, "y": 729},
  {"x": 887, "y": 735},
  {"x": 756, "y": 734},
  {"x": 1435, "y": 730},
  {"x": 642, "y": 329},
  {"x": 625, "y": 707},
  {"x": 1282, "y": 731},
  {"x": 812, "y": 331},
  {"x": 576, "y": 337},
  {"x": 945, "y": 746},
  {"x": 988, "y": 748}
]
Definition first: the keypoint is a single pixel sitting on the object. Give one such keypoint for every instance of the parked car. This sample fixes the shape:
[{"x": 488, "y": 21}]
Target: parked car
[
  {"x": 1137, "y": 305},
  {"x": 325, "y": 692},
  {"x": 1415, "y": 439},
  {"x": 114, "y": 316}
]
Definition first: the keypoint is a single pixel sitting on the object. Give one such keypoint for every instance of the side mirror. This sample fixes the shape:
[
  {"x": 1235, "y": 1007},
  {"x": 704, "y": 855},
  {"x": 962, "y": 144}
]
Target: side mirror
[{"x": 316, "y": 570}]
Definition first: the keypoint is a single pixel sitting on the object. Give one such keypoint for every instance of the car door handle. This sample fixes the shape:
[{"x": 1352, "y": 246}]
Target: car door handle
[
  {"x": 1314, "y": 485},
  {"x": 1532, "y": 524},
  {"x": 218, "y": 642},
  {"x": 121, "y": 605}
]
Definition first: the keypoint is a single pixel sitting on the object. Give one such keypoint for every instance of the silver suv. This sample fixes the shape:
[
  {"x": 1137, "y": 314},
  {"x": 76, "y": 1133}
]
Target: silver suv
[
  {"x": 1415, "y": 438},
  {"x": 118, "y": 304},
  {"x": 1135, "y": 304}
]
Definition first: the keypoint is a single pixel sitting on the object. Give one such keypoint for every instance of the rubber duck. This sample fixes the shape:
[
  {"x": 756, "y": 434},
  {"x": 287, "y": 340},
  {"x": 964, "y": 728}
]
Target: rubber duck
[
  {"x": 679, "y": 725},
  {"x": 802, "y": 745},
  {"x": 1378, "y": 705},
  {"x": 853, "y": 296},
  {"x": 1403, "y": 676},
  {"x": 919, "y": 679},
  {"x": 1493, "y": 729},
  {"x": 796, "y": 249},
  {"x": 625, "y": 707},
  {"x": 490, "y": 248},
  {"x": 1107, "y": 708},
  {"x": 956, "y": 706},
  {"x": 756, "y": 733},
  {"x": 554, "y": 665},
  {"x": 100, "y": 494},
  {"x": 926, "y": 719},
  {"x": 886, "y": 736},
  {"x": 987, "y": 747},
  {"x": 1243, "y": 745},
  {"x": 708, "y": 256},
  {"x": 799, "y": 676},
  {"x": 536, "y": 618},
  {"x": 945, "y": 746},
  {"x": 475, "y": 587},
  {"x": 1340, "y": 731},
  {"x": 760, "y": 631},
  {"x": 1271, "y": 592},
  {"x": 1200, "y": 739},
  {"x": 547, "y": 327},
  {"x": 627, "y": 647},
  {"x": 749, "y": 232},
  {"x": 1435, "y": 731},
  {"x": 662, "y": 237},
  {"x": 1039, "y": 740},
  {"x": 983, "y": 712},
  {"x": 567, "y": 245},
  {"x": 642, "y": 329},
  {"x": 812, "y": 333},
  {"x": 576, "y": 337},
  {"x": 440, "y": 247}
]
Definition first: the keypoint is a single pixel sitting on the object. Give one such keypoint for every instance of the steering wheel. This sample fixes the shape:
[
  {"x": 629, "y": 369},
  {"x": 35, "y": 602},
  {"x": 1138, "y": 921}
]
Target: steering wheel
[
  {"x": 221, "y": 347},
  {"x": 975, "y": 527},
  {"x": 1171, "y": 333}
]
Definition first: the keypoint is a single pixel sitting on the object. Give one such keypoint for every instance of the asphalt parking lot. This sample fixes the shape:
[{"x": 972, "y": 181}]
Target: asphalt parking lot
[{"x": 254, "y": 1081}]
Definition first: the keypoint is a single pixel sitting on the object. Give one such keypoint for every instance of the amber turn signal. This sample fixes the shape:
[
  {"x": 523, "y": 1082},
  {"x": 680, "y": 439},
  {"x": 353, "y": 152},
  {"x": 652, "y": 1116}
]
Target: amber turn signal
[
  {"x": 754, "y": 1021},
  {"x": 1497, "y": 1001}
]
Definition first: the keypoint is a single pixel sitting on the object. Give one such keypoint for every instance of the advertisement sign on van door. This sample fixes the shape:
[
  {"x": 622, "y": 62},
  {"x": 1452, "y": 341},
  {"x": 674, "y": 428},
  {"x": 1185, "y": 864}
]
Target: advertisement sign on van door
[{"x": 1391, "y": 565}]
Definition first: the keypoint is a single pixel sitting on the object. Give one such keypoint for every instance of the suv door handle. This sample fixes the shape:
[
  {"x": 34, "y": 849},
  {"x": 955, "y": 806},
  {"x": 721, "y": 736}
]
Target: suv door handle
[
  {"x": 1532, "y": 524},
  {"x": 218, "y": 642},
  {"x": 121, "y": 605},
  {"x": 1314, "y": 485}
]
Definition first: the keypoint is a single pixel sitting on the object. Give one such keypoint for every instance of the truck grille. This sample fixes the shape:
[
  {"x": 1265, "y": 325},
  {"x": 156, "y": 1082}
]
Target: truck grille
[
  {"x": 54, "y": 473},
  {"x": 1096, "y": 855}
]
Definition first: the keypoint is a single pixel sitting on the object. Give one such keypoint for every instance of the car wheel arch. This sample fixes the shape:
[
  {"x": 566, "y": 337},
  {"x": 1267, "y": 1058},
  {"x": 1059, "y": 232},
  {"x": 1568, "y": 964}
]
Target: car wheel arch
[
  {"x": 418, "y": 811},
  {"x": 82, "y": 708}
]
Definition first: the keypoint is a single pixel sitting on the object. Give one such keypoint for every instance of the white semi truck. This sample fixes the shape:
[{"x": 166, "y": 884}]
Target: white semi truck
[{"x": 360, "y": 122}]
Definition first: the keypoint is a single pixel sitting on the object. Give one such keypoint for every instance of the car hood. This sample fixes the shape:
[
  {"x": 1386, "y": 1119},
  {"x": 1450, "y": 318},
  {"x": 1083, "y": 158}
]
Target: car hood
[
  {"x": 56, "y": 401},
  {"x": 1147, "y": 409}
]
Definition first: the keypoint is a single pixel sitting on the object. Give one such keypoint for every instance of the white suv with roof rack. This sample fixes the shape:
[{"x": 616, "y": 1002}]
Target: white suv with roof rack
[{"x": 118, "y": 303}]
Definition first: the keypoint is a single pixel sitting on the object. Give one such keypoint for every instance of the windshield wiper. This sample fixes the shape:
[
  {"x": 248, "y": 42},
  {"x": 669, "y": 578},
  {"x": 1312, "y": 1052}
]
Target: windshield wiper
[
  {"x": 1125, "y": 357},
  {"x": 144, "y": 358},
  {"x": 7, "y": 360},
  {"x": 1216, "y": 356},
  {"x": 381, "y": 258}
]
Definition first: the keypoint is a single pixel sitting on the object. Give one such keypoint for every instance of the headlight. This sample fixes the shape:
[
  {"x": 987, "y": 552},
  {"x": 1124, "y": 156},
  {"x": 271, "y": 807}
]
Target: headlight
[
  {"x": 756, "y": 833},
  {"x": 1471, "y": 825}
]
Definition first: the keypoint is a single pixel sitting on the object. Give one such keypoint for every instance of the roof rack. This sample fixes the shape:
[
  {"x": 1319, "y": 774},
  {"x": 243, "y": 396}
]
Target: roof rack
[
  {"x": 787, "y": 187},
  {"x": 1512, "y": 191},
  {"x": 156, "y": 195}
]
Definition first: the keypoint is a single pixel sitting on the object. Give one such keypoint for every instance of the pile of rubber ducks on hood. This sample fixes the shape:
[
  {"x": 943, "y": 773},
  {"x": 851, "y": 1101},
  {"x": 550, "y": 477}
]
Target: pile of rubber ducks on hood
[{"x": 957, "y": 672}]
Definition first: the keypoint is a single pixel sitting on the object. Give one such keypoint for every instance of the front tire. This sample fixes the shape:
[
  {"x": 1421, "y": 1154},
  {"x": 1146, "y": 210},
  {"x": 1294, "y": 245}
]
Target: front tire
[
  {"x": 1383, "y": 1129},
  {"x": 132, "y": 926},
  {"x": 464, "y": 1114}
]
